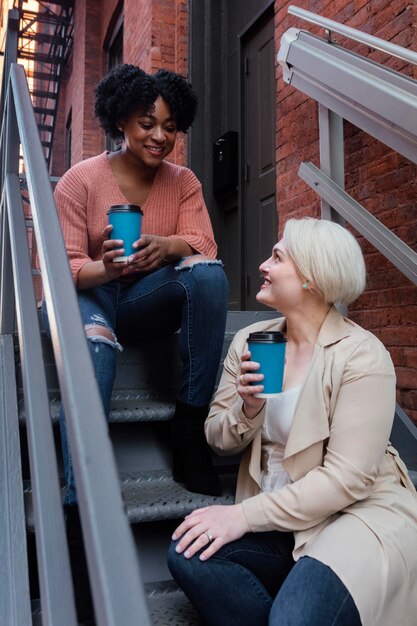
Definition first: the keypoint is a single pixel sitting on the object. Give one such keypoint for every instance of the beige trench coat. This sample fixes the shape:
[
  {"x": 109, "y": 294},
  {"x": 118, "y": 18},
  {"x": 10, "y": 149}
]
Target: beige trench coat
[{"x": 351, "y": 503}]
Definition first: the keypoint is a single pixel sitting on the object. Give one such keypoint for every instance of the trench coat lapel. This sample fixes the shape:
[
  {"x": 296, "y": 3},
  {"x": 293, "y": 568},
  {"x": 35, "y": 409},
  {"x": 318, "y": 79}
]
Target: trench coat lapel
[{"x": 310, "y": 426}]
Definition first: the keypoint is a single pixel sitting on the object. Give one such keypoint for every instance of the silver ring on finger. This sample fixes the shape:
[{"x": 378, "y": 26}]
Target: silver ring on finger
[
  {"x": 209, "y": 535},
  {"x": 241, "y": 380}
]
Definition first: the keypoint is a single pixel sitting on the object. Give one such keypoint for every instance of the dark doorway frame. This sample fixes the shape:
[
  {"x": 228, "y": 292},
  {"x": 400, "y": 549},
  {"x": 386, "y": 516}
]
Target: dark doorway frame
[
  {"x": 261, "y": 18},
  {"x": 211, "y": 41}
]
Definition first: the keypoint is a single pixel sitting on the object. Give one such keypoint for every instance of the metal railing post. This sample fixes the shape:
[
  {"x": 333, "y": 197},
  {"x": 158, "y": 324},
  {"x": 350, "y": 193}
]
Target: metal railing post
[
  {"x": 55, "y": 581},
  {"x": 10, "y": 56},
  {"x": 15, "y": 608},
  {"x": 331, "y": 155},
  {"x": 332, "y": 163},
  {"x": 10, "y": 164},
  {"x": 9, "y": 156}
]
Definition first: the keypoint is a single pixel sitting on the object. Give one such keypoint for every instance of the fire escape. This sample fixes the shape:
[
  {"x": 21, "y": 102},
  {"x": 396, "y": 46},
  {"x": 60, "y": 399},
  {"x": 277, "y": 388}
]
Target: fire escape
[{"x": 44, "y": 47}]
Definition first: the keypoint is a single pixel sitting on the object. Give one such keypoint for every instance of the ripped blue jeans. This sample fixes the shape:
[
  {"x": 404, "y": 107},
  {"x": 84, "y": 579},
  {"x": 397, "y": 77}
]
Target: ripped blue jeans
[{"x": 192, "y": 298}]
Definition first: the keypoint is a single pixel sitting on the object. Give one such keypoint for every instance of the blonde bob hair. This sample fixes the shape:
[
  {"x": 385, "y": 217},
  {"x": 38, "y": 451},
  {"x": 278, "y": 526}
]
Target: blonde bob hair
[{"x": 328, "y": 257}]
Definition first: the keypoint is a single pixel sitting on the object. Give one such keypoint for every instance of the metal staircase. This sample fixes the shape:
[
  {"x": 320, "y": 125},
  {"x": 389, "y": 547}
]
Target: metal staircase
[
  {"x": 140, "y": 431},
  {"x": 44, "y": 47}
]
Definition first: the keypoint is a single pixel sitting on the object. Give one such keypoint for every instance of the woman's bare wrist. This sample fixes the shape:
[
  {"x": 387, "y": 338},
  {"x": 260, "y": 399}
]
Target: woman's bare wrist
[{"x": 251, "y": 412}]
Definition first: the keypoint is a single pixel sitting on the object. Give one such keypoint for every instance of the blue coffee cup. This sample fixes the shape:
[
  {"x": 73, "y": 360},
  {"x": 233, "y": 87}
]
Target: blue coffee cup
[
  {"x": 126, "y": 220},
  {"x": 268, "y": 349}
]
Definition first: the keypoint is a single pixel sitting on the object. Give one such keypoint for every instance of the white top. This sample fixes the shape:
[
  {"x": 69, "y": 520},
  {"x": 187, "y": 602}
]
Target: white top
[{"x": 275, "y": 430}]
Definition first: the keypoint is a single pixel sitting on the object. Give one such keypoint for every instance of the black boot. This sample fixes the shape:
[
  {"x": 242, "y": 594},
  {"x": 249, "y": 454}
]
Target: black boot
[
  {"x": 81, "y": 581},
  {"x": 192, "y": 461}
]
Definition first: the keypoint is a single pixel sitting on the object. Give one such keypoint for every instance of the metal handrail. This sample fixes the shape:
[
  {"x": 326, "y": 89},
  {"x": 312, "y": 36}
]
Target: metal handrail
[
  {"x": 389, "y": 245},
  {"x": 15, "y": 606},
  {"x": 117, "y": 587},
  {"x": 53, "y": 560},
  {"x": 356, "y": 35}
]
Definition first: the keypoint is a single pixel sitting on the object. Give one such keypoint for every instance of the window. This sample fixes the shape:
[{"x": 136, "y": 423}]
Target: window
[
  {"x": 114, "y": 58},
  {"x": 115, "y": 54},
  {"x": 68, "y": 140}
]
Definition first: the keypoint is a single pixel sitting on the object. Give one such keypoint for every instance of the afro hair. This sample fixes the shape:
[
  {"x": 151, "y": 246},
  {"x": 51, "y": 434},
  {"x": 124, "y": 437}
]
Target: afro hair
[{"x": 127, "y": 89}]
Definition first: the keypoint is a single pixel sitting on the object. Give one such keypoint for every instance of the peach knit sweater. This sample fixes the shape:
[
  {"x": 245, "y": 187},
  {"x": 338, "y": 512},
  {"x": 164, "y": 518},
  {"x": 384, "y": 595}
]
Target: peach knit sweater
[{"x": 175, "y": 207}]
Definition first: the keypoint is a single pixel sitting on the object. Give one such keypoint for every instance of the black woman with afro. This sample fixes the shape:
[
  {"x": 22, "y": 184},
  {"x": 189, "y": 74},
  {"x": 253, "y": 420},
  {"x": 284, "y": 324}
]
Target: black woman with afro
[{"x": 173, "y": 280}]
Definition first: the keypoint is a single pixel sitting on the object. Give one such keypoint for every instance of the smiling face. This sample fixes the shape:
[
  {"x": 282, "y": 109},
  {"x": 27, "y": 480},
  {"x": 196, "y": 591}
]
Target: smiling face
[
  {"x": 149, "y": 137},
  {"x": 282, "y": 287}
]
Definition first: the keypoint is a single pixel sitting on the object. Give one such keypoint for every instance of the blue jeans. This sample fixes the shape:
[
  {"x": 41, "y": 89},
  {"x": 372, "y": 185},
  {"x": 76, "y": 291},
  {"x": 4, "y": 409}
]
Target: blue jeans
[
  {"x": 237, "y": 586},
  {"x": 190, "y": 298}
]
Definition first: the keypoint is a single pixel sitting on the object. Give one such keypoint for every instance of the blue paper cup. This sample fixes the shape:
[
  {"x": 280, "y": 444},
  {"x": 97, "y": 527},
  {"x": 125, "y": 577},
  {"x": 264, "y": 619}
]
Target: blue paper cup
[
  {"x": 268, "y": 349},
  {"x": 126, "y": 220}
]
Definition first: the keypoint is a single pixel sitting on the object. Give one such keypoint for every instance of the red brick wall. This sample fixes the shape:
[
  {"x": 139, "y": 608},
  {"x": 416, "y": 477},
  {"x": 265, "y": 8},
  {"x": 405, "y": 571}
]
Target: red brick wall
[
  {"x": 110, "y": 11},
  {"x": 58, "y": 152},
  {"x": 158, "y": 37},
  {"x": 138, "y": 40},
  {"x": 76, "y": 89},
  {"x": 92, "y": 138},
  {"x": 155, "y": 35},
  {"x": 75, "y": 85},
  {"x": 381, "y": 180}
]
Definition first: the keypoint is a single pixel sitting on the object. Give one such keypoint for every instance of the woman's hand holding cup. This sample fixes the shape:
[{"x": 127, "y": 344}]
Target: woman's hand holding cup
[
  {"x": 110, "y": 250},
  {"x": 151, "y": 253},
  {"x": 264, "y": 376},
  {"x": 249, "y": 383}
]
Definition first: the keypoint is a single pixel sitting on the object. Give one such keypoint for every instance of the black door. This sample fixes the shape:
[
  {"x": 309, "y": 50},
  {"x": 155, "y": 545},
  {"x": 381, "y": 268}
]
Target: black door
[{"x": 258, "y": 209}]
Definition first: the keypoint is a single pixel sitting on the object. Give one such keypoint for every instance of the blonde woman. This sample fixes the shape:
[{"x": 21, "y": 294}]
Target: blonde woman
[{"x": 324, "y": 528}]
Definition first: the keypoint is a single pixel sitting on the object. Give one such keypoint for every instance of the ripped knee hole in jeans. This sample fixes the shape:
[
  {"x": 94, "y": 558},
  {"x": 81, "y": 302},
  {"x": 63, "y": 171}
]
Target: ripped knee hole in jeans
[{"x": 108, "y": 337}]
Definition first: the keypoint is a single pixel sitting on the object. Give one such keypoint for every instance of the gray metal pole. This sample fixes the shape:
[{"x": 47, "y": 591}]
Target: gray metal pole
[
  {"x": 9, "y": 161},
  {"x": 11, "y": 164},
  {"x": 331, "y": 155},
  {"x": 57, "y": 598},
  {"x": 332, "y": 163},
  {"x": 10, "y": 56},
  {"x": 15, "y": 609},
  {"x": 392, "y": 247}
]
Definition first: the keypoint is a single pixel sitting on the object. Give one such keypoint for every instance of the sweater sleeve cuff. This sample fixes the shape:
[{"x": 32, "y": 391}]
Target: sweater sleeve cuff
[
  {"x": 76, "y": 267},
  {"x": 238, "y": 418}
]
